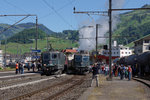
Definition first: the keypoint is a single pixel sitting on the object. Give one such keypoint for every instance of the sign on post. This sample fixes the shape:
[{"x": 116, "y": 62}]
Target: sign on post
[
  {"x": 35, "y": 57},
  {"x": 36, "y": 50}
]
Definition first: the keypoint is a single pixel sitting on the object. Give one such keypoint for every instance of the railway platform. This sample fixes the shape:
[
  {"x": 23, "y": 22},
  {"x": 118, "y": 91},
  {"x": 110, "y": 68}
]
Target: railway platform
[{"x": 118, "y": 90}]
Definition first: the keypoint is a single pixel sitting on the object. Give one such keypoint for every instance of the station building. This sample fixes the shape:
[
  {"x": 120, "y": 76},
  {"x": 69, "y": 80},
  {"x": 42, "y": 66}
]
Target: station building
[
  {"x": 118, "y": 51},
  {"x": 142, "y": 45}
]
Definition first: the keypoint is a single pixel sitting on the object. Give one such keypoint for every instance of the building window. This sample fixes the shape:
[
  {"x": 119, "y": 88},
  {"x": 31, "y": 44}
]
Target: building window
[
  {"x": 126, "y": 52},
  {"x": 117, "y": 52},
  {"x": 114, "y": 52},
  {"x": 146, "y": 41},
  {"x": 129, "y": 52},
  {"x": 122, "y": 52},
  {"x": 121, "y": 48},
  {"x": 149, "y": 48}
]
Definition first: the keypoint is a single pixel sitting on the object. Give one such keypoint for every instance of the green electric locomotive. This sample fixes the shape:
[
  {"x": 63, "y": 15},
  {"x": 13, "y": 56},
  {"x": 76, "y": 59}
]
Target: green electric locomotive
[{"x": 52, "y": 62}]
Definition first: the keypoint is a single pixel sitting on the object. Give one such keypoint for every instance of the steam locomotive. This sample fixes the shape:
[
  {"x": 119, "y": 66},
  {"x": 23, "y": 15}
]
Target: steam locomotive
[{"x": 140, "y": 63}]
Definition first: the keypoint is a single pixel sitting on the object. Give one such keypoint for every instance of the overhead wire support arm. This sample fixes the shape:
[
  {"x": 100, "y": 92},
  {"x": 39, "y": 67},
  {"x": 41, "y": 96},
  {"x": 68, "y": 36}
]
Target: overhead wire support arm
[
  {"x": 130, "y": 9},
  {"x": 19, "y": 15},
  {"x": 91, "y": 12},
  {"x": 13, "y": 24}
]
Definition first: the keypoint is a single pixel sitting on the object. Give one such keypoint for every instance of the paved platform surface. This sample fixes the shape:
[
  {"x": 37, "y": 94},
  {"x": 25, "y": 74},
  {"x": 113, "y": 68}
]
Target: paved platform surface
[{"x": 117, "y": 90}]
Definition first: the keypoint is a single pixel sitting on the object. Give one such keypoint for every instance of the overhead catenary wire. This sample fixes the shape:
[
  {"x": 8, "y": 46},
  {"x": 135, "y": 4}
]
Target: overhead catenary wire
[
  {"x": 15, "y": 6},
  {"x": 11, "y": 4},
  {"x": 61, "y": 17},
  {"x": 58, "y": 9},
  {"x": 92, "y": 42},
  {"x": 13, "y": 24},
  {"x": 7, "y": 17},
  {"x": 105, "y": 37}
]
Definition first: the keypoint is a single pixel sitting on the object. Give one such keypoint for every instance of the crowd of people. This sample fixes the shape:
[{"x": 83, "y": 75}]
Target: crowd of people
[
  {"x": 20, "y": 67},
  {"x": 121, "y": 71}
]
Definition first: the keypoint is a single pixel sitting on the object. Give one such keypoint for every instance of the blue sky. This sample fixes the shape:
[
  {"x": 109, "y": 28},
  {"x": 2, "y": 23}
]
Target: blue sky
[{"x": 57, "y": 15}]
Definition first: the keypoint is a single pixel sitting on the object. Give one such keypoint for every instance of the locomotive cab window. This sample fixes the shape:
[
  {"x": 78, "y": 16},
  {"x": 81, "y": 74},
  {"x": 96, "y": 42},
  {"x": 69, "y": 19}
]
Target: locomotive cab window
[
  {"x": 54, "y": 56},
  {"x": 78, "y": 58},
  {"x": 85, "y": 59},
  {"x": 46, "y": 56}
]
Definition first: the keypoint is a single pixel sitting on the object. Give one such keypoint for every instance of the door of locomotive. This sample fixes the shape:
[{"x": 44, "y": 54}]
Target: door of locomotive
[{"x": 77, "y": 60}]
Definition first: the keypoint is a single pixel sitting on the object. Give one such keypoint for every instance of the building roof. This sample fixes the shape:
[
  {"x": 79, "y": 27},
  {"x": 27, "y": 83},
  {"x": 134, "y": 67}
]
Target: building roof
[
  {"x": 70, "y": 51},
  {"x": 147, "y": 36}
]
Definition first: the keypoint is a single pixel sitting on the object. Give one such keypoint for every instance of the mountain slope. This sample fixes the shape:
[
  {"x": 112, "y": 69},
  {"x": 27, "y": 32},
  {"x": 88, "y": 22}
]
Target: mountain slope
[
  {"x": 134, "y": 25},
  {"x": 57, "y": 43},
  {"x": 20, "y": 27},
  {"x": 26, "y": 36}
]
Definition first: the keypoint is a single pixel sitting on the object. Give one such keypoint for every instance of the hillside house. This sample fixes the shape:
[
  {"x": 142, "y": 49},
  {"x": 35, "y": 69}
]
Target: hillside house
[{"x": 142, "y": 45}]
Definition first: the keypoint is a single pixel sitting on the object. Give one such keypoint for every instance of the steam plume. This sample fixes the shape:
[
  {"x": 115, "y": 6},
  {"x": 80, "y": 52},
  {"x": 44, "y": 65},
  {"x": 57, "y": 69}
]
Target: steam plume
[{"x": 90, "y": 33}]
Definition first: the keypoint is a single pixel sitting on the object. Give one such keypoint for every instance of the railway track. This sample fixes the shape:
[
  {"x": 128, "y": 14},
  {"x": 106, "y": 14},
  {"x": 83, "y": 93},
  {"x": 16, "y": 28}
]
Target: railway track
[
  {"x": 13, "y": 81},
  {"x": 143, "y": 81},
  {"x": 54, "y": 91}
]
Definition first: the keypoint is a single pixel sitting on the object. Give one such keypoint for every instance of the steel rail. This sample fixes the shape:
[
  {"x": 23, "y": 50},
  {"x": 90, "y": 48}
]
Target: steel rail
[
  {"x": 58, "y": 94},
  {"x": 43, "y": 89}
]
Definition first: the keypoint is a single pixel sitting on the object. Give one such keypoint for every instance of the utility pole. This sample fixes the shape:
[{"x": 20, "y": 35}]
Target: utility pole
[
  {"x": 36, "y": 38},
  {"x": 110, "y": 36},
  {"x": 17, "y": 51},
  {"x": 36, "y": 33},
  {"x": 47, "y": 42},
  {"x": 96, "y": 38},
  {"x": 5, "y": 54}
]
